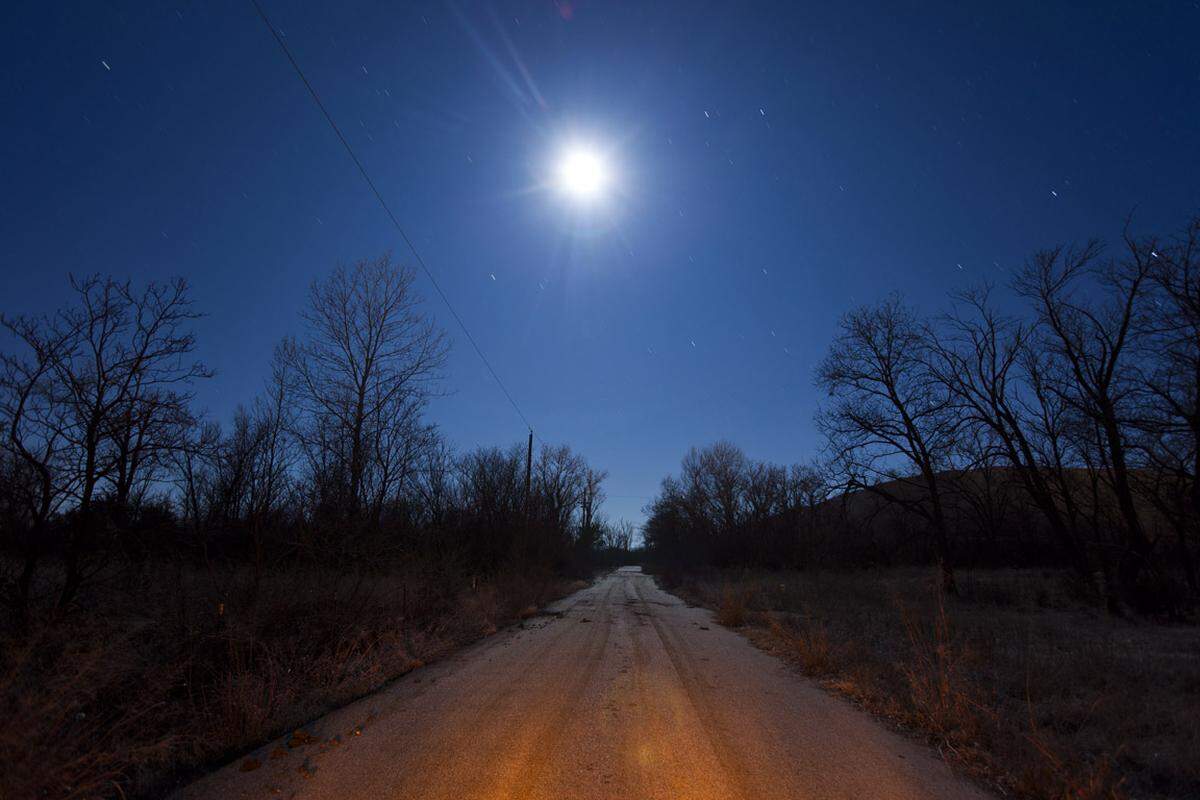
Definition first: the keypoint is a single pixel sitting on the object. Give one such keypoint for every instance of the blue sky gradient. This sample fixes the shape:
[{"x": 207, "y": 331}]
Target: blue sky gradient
[{"x": 775, "y": 165}]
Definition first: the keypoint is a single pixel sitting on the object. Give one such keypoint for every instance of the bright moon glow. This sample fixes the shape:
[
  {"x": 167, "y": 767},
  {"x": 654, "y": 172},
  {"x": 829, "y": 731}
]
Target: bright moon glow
[{"x": 582, "y": 173}]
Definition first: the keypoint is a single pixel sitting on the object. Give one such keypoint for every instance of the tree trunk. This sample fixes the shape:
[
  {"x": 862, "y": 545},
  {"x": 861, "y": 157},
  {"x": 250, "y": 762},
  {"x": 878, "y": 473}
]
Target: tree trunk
[{"x": 941, "y": 536}]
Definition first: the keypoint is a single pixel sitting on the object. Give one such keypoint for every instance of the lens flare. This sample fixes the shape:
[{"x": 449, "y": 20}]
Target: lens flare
[{"x": 582, "y": 173}]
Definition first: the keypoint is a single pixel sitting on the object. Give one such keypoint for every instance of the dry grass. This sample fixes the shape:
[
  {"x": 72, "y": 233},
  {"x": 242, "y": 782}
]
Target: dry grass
[
  {"x": 188, "y": 672},
  {"x": 1016, "y": 681},
  {"x": 732, "y": 607}
]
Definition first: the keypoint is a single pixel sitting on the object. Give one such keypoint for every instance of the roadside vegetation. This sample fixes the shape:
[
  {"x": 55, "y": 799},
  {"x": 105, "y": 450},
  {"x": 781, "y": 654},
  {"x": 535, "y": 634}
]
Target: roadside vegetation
[
  {"x": 1018, "y": 680},
  {"x": 176, "y": 591},
  {"x": 997, "y": 546}
]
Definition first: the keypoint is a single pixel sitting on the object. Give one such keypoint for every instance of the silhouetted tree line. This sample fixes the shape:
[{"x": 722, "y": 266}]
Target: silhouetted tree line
[
  {"x": 727, "y": 510},
  {"x": 106, "y": 466},
  {"x": 1063, "y": 432}
]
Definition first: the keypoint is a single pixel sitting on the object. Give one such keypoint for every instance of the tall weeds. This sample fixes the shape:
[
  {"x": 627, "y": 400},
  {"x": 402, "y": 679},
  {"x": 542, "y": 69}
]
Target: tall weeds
[
  {"x": 1018, "y": 682},
  {"x": 123, "y": 703},
  {"x": 938, "y": 672}
]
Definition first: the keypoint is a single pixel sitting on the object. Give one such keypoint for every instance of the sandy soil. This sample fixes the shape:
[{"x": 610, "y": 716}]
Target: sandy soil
[{"x": 619, "y": 691}]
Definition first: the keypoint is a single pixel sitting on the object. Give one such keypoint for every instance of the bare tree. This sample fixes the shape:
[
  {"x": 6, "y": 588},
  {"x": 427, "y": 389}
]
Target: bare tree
[
  {"x": 492, "y": 483},
  {"x": 807, "y": 490},
  {"x": 891, "y": 426},
  {"x": 1169, "y": 420},
  {"x": 272, "y": 477},
  {"x": 619, "y": 535},
  {"x": 716, "y": 476},
  {"x": 765, "y": 511},
  {"x": 765, "y": 492},
  {"x": 34, "y": 415},
  {"x": 491, "y": 489},
  {"x": 590, "y": 500},
  {"x": 434, "y": 485},
  {"x": 985, "y": 362},
  {"x": 119, "y": 379},
  {"x": 982, "y": 491},
  {"x": 1092, "y": 341},
  {"x": 191, "y": 473},
  {"x": 361, "y": 379},
  {"x": 560, "y": 482},
  {"x": 726, "y": 509},
  {"x": 247, "y": 484},
  {"x": 669, "y": 530}
]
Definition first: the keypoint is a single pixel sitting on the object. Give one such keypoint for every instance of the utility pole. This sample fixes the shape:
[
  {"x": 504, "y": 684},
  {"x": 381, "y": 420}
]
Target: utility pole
[{"x": 528, "y": 472}]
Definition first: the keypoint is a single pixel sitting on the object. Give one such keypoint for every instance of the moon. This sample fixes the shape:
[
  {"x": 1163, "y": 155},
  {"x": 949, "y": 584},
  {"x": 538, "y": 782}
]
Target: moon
[{"x": 582, "y": 173}]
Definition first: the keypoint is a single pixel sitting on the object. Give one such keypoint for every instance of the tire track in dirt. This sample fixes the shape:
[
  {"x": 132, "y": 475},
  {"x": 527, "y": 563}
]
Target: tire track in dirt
[
  {"x": 464, "y": 730},
  {"x": 694, "y": 688},
  {"x": 529, "y": 773}
]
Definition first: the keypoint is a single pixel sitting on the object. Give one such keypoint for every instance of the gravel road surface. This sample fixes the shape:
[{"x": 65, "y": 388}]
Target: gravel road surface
[{"x": 619, "y": 691}]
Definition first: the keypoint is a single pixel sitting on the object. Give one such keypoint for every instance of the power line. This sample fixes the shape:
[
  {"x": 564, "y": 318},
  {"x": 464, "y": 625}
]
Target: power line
[{"x": 366, "y": 177}]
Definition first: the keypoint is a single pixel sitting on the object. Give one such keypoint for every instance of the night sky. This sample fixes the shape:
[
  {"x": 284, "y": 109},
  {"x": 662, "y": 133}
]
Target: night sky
[{"x": 774, "y": 165}]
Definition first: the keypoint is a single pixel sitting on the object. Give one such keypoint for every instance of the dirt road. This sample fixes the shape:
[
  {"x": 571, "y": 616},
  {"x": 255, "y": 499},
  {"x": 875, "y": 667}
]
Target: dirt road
[{"x": 622, "y": 691}]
